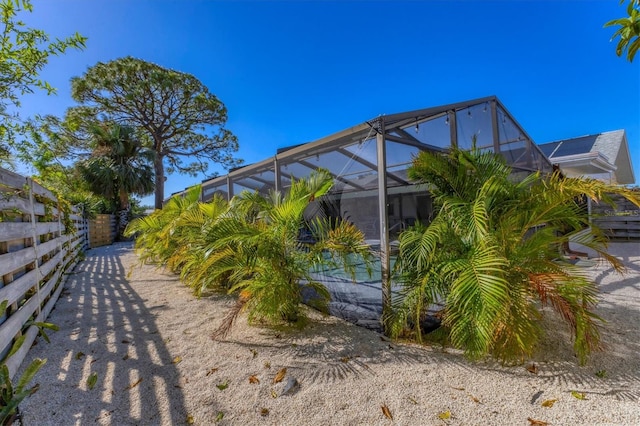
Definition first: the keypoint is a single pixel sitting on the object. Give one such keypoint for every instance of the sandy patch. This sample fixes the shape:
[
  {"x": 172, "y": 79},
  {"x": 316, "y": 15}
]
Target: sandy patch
[{"x": 147, "y": 339}]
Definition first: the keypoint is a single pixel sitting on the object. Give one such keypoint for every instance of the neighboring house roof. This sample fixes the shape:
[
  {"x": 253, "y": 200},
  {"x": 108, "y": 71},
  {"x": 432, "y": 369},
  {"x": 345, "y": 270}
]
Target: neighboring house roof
[{"x": 603, "y": 155}]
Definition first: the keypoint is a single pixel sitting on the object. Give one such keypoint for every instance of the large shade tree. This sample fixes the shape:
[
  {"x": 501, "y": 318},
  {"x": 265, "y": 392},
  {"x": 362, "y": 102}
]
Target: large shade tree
[
  {"x": 24, "y": 52},
  {"x": 184, "y": 121}
]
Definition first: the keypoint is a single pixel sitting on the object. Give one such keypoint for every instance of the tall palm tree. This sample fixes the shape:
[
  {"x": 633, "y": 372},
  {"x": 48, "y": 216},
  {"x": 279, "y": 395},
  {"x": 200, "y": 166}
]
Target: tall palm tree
[
  {"x": 120, "y": 165},
  {"x": 491, "y": 258},
  {"x": 629, "y": 31}
]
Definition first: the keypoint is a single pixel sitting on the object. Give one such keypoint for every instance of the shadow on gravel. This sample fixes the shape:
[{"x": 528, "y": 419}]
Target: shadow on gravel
[
  {"x": 323, "y": 353},
  {"x": 106, "y": 330},
  {"x": 613, "y": 370}
]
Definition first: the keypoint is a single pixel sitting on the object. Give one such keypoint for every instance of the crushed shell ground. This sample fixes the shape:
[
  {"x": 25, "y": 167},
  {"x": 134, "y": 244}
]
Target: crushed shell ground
[{"x": 147, "y": 339}]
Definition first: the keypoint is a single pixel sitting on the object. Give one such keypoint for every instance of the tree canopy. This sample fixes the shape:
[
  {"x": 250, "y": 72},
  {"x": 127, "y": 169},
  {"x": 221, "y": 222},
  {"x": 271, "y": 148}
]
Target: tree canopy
[
  {"x": 183, "y": 120},
  {"x": 24, "y": 52},
  {"x": 628, "y": 31},
  {"x": 119, "y": 165}
]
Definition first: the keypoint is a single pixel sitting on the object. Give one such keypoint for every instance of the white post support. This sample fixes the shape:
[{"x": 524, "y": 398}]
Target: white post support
[
  {"x": 385, "y": 264},
  {"x": 34, "y": 236}
]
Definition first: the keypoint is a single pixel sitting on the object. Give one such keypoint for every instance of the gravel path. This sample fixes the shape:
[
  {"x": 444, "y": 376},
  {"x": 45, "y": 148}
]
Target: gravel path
[{"x": 147, "y": 339}]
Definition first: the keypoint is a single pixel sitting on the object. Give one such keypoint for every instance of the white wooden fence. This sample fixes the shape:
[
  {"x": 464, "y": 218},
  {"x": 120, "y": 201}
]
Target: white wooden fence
[
  {"x": 621, "y": 223},
  {"x": 37, "y": 245}
]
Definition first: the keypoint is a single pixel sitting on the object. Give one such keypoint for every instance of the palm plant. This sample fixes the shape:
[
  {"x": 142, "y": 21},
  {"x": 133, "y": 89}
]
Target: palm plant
[
  {"x": 257, "y": 249},
  {"x": 120, "y": 165},
  {"x": 192, "y": 258},
  {"x": 251, "y": 247},
  {"x": 629, "y": 31},
  {"x": 157, "y": 234},
  {"x": 176, "y": 237},
  {"x": 13, "y": 393},
  {"x": 492, "y": 256}
]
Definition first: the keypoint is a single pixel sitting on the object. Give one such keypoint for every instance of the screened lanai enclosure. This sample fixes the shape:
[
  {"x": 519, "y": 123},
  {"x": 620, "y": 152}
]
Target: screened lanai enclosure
[{"x": 371, "y": 189}]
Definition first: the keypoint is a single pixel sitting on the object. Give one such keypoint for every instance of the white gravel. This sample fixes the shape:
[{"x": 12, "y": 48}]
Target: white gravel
[{"x": 147, "y": 338}]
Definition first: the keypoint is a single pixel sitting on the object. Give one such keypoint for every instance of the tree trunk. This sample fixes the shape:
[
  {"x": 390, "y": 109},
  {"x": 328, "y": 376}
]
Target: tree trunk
[
  {"x": 123, "y": 214},
  {"x": 123, "y": 221},
  {"x": 159, "y": 169}
]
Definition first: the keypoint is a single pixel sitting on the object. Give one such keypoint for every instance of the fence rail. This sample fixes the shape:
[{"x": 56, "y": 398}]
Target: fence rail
[
  {"x": 38, "y": 243},
  {"x": 621, "y": 223}
]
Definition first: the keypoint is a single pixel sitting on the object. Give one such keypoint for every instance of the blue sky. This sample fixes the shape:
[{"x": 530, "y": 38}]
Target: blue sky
[{"x": 294, "y": 71}]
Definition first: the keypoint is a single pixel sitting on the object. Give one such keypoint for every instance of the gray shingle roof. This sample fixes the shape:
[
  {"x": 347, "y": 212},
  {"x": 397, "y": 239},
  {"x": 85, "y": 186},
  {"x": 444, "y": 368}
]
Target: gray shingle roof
[{"x": 611, "y": 145}]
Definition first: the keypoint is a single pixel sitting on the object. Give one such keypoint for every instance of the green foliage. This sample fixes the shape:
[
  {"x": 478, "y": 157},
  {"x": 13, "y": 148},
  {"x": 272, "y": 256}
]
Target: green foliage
[
  {"x": 628, "y": 31},
  {"x": 137, "y": 209},
  {"x": 269, "y": 266},
  {"x": 119, "y": 165},
  {"x": 113, "y": 164},
  {"x": 158, "y": 235},
  {"x": 11, "y": 395},
  {"x": 251, "y": 247},
  {"x": 491, "y": 257},
  {"x": 24, "y": 52},
  {"x": 181, "y": 118}
]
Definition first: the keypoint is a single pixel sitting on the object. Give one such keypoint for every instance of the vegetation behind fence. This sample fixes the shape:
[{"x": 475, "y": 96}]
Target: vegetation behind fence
[{"x": 39, "y": 241}]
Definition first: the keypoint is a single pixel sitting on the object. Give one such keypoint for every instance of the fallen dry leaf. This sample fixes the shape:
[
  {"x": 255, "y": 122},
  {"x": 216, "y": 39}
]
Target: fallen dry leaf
[
  {"x": 453, "y": 387},
  {"x": 34, "y": 388},
  {"x": 578, "y": 395},
  {"x": 177, "y": 360},
  {"x": 474, "y": 399},
  {"x": 190, "y": 419},
  {"x": 533, "y": 369},
  {"x": 534, "y": 422},
  {"x": 92, "y": 380},
  {"x": 548, "y": 402},
  {"x": 134, "y": 384},
  {"x": 386, "y": 411},
  {"x": 264, "y": 412},
  {"x": 273, "y": 394},
  {"x": 253, "y": 380},
  {"x": 445, "y": 415},
  {"x": 211, "y": 371},
  {"x": 280, "y": 375}
]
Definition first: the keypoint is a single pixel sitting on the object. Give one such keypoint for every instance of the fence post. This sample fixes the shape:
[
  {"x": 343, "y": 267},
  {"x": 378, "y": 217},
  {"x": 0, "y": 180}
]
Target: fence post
[{"x": 34, "y": 239}]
